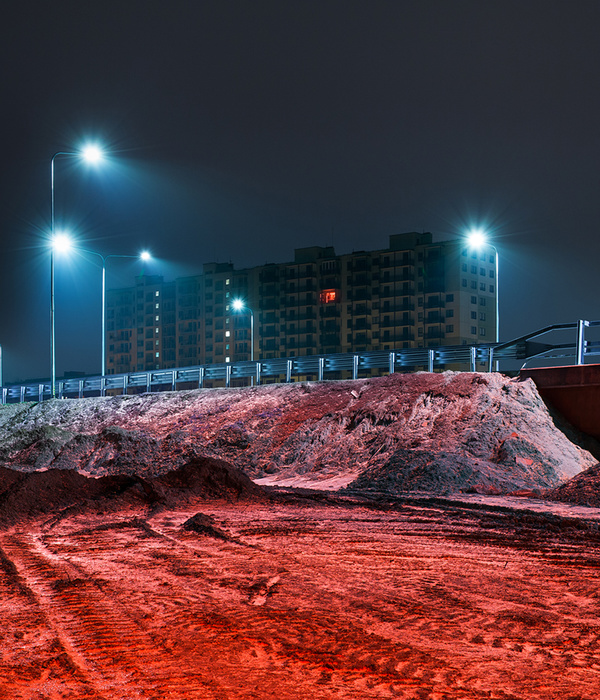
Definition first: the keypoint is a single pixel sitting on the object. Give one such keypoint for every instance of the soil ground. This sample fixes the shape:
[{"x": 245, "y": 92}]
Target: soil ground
[{"x": 308, "y": 596}]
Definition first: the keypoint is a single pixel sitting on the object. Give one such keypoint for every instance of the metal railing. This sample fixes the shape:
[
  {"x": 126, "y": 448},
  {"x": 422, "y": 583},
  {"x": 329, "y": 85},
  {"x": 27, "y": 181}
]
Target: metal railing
[{"x": 318, "y": 367}]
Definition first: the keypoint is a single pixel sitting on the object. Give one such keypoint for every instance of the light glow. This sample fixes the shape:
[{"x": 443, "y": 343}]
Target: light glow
[
  {"x": 145, "y": 256},
  {"x": 477, "y": 239},
  {"x": 238, "y": 304},
  {"x": 92, "y": 154},
  {"x": 61, "y": 243}
]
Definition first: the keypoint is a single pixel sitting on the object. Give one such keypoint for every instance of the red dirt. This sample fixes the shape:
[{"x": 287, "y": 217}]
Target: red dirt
[{"x": 327, "y": 599}]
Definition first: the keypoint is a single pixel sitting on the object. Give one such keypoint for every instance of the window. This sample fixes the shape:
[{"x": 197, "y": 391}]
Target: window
[
  {"x": 492, "y": 288},
  {"x": 226, "y": 281},
  {"x": 228, "y": 359},
  {"x": 482, "y": 315},
  {"x": 482, "y": 286},
  {"x": 157, "y": 319},
  {"x": 473, "y": 330},
  {"x": 492, "y": 259},
  {"x": 449, "y": 313},
  {"x": 464, "y": 267},
  {"x": 157, "y": 306},
  {"x": 492, "y": 273},
  {"x": 474, "y": 315},
  {"x": 327, "y": 296},
  {"x": 474, "y": 284},
  {"x": 482, "y": 301},
  {"x": 464, "y": 283},
  {"x": 420, "y": 331},
  {"x": 156, "y": 294},
  {"x": 157, "y": 354},
  {"x": 449, "y": 297},
  {"x": 420, "y": 301},
  {"x": 482, "y": 271},
  {"x": 473, "y": 269},
  {"x": 156, "y": 330},
  {"x": 450, "y": 328},
  {"x": 482, "y": 331},
  {"x": 473, "y": 300},
  {"x": 227, "y": 334}
]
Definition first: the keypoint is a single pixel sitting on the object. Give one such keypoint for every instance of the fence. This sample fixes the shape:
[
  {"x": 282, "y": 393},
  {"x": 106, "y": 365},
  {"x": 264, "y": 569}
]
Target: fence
[{"x": 318, "y": 367}]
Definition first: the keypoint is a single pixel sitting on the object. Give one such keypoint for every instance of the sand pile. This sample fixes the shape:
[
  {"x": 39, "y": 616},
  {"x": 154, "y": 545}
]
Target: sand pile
[
  {"x": 414, "y": 432},
  {"x": 32, "y": 494}
]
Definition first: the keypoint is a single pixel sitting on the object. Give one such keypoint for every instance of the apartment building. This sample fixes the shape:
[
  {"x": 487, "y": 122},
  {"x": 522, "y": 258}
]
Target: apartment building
[{"x": 415, "y": 293}]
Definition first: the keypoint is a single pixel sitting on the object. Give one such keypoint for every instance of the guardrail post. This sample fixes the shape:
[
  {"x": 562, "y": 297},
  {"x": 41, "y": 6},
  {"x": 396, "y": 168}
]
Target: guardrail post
[
  {"x": 288, "y": 371},
  {"x": 580, "y": 350},
  {"x": 355, "y": 367},
  {"x": 148, "y": 382},
  {"x": 430, "y": 359},
  {"x": 228, "y": 376},
  {"x": 22, "y": 394},
  {"x": 490, "y": 359},
  {"x": 61, "y": 389},
  {"x": 258, "y": 372},
  {"x": 102, "y": 386},
  {"x": 321, "y": 368},
  {"x": 40, "y": 392},
  {"x": 473, "y": 358},
  {"x": 392, "y": 362},
  {"x": 125, "y": 380},
  {"x": 4, "y": 395},
  {"x": 173, "y": 374},
  {"x": 200, "y": 377}
]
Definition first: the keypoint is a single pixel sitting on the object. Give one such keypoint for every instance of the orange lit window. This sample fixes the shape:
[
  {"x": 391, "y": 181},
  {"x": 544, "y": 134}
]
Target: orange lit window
[{"x": 328, "y": 295}]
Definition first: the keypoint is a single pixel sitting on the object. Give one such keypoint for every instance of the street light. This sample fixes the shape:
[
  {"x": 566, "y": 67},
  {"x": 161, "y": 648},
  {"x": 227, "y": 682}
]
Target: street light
[
  {"x": 144, "y": 255},
  {"x": 91, "y": 154},
  {"x": 477, "y": 240},
  {"x": 239, "y": 305}
]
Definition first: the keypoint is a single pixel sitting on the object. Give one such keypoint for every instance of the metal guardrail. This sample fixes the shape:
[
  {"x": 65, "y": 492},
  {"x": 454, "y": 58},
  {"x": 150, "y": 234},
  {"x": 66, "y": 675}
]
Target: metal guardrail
[{"x": 317, "y": 366}]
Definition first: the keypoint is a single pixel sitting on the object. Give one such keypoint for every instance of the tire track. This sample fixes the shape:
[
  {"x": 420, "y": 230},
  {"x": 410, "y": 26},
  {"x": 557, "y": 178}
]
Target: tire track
[{"x": 114, "y": 654}]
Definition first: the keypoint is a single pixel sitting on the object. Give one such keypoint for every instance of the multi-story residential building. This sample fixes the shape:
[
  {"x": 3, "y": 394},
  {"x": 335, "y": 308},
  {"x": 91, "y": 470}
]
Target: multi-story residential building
[{"x": 416, "y": 293}]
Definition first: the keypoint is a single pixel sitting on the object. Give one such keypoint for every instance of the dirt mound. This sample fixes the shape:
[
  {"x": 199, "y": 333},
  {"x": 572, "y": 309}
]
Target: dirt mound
[
  {"x": 26, "y": 495},
  {"x": 457, "y": 430},
  {"x": 583, "y": 489}
]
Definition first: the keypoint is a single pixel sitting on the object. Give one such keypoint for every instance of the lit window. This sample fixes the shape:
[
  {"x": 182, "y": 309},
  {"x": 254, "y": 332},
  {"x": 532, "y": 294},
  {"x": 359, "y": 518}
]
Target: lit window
[
  {"x": 157, "y": 354},
  {"x": 227, "y": 334},
  {"x": 157, "y": 330},
  {"x": 158, "y": 318},
  {"x": 156, "y": 294},
  {"x": 226, "y": 281},
  {"x": 228, "y": 359},
  {"x": 227, "y": 346},
  {"x": 328, "y": 296}
]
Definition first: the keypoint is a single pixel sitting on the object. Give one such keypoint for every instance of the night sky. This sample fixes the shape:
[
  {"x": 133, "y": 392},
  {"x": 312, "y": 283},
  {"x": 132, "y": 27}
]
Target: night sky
[{"x": 239, "y": 131}]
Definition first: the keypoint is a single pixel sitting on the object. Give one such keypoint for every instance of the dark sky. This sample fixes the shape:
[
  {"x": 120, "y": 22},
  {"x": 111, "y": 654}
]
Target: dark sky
[{"x": 241, "y": 130}]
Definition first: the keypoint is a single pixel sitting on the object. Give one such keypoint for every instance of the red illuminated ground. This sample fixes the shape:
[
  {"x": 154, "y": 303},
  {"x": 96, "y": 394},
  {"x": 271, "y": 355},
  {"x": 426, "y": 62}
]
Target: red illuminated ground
[{"x": 310, "y": 598}]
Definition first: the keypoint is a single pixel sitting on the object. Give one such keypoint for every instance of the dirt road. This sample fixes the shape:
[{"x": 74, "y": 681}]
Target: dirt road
[{"x": 325, "y": 598}]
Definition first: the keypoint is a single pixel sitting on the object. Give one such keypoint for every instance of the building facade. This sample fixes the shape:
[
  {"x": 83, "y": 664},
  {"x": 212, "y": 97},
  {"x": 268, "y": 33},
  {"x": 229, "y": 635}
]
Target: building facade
[{"x": 416, "y": 293}]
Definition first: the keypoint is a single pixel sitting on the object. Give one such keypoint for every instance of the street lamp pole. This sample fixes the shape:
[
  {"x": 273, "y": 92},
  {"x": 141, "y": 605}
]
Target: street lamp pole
[
  {"x": 143, "y": 256},
  {"x": 239, "y": 305},
  {"x": 92, "y": 154}
]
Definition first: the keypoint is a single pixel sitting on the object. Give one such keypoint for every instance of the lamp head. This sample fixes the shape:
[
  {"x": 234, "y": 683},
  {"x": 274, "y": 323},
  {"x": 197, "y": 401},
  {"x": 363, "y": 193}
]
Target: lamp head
[
  {"x": 237, "y": 304},
  {"x": 145, "y": 256},
  {"x": 61, "y": 243},
  {"x": 476, "y": 239},
  {"x": 92, "y": 154}
]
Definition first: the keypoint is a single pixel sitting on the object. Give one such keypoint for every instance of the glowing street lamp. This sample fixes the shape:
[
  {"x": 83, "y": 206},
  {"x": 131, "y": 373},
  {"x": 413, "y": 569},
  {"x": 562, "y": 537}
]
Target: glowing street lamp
[
  {"x": 477, "y": 240},
  {"x": 144, "y": 255},
  {"x": 60, "y": 243},
  {"x": 239, "y": 305}
]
